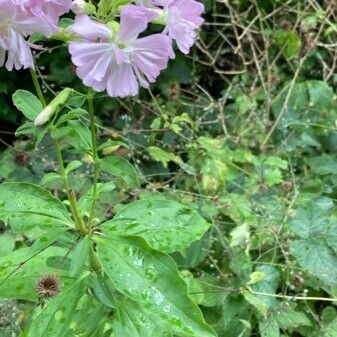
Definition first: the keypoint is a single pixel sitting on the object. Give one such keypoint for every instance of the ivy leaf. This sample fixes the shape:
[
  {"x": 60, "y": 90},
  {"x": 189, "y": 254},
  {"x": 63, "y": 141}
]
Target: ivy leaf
[
  {"x": 132, "y": 319},
  {"x": 55, "y": 318},
  {"x": 166, "y": 225},
  {"x": 120, "y": 167},
  {"x": 151, "y": 278},
  {"x": 27, "y": 205},
  {"x": 27, "y": 103}
]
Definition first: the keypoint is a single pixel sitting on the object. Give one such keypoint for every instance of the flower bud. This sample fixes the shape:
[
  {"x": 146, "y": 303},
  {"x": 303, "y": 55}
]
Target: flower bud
[
  {"x": 82, "y": 7},
  {"x": 49, "y": 111}
]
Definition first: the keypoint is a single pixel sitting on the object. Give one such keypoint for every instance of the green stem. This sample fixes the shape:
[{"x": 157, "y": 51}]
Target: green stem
[
  {"x": 71, "y": 196},
  {"x": 95, "y": 263},
  {"x": 90, "y": 97},
  {"x": 37, "y": 87}
]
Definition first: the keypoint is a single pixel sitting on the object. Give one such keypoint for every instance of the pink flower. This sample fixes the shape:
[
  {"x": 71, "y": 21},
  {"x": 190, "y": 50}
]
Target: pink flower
[
  {"x": 48, "y": 12},
  {"x": 20, "y": 19},
  {"x": 183, "y": 18},
  {"x": 118, "y": 63}
]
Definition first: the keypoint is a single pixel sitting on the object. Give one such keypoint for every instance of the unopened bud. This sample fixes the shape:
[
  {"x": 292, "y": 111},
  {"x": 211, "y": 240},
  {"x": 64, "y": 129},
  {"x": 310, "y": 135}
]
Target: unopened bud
[
  {"x": 49, "y": 111},
  {"x": 44, "y": 116},
  {"x": 82, "y": 7}
]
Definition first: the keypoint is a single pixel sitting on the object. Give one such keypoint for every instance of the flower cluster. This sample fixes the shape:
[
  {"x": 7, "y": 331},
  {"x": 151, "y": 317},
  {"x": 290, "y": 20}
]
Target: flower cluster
[
  {"x": 21, "y": 18},
  {"x": 112, "y": 56}
]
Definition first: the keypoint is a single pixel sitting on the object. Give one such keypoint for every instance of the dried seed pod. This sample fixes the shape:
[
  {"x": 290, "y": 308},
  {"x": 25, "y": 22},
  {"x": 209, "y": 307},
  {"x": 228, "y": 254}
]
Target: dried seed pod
[{"x": 48, "y": 286}]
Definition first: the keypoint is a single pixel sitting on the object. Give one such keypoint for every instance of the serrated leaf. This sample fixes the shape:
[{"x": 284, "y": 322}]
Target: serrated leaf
[
  {"x": 27, "y": 205},
  {"x": 120, "y": 167},
  {"x": 27, "y": 103},
  {"x": 316, "y": 251},
  {"x": 166, "y": 225},
  {"x": 267, "y": 285},
  {"x": 317, "y": 258},
  {"x": 151, "y": 278}
]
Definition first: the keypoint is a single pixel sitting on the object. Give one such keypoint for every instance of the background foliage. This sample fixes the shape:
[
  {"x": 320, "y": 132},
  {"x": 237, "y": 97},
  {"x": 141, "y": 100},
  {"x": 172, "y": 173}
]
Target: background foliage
[{"x": 244, "y": 131}]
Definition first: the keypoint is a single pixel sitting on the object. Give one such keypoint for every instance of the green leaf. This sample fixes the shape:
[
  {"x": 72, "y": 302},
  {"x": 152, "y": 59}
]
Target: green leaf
[
  {"x": 288, "y": 318},
  {"x": 21, "y": 268},
  {"x": 166, "y": 225},
  {"x": 27, "y": 103},
  {"x": 312, "y": 219},
  {"x": 267, "y": 285},
  {"x": 79, "y": 136},
  {"x": 316, "y": 250},
  {"x": 120, "y": 167},
  {"x": 7, "y": 244},
  {"x": 289, "y": 41},
  {"x": 55, "y": 318},
  {"x": 163, "y": 156},
  {"x": 269, "y": 328},
  {"x": 104, "y": 290},
  {"x": 51, "y": 178},
  {"x": 151, "y": 278},
  {"x": 79, "y": 257},
  {"x": 132, "y": 319},
  {"x": 26, "y": 205},
  {"x": 73, "y": 165},
  {"x": 317, "y": 258}
]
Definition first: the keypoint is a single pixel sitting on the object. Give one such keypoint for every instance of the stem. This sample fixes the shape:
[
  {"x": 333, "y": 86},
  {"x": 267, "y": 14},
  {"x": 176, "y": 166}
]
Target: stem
[
  {"x": 90, "y": 98},
  {"x": 95, "y": 263},
  {"x": 71, "y": 196},
  {"x": 37, "y": 87},
  {"x": 288, "y": 297}
]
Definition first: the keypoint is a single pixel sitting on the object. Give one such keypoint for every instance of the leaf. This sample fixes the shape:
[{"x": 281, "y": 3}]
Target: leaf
[
  {"x": 289, "y": 41},
  {"x": 312, "y": 219},
  {"x": 90, "y": 319},
  {"x": 79, "y": 257},
  {"x": 7, "y": 244},
  {"x": 55, "y": 318},
  {"x": 163, "y": 156},
  {"x": 20, "y": 269},
  {"x": 166, "y": 225},
  {"x": 316, "y": 250},
  {"x": 51, "y": 178},
  {"x": 73, "y": 165},
  {"x": 132, "y": 319},
  {"x": 288, "y": 318},
  {"x": 325, "y": 164},
  {"x": 267, "y": 285},
  {"x": 79, "y": 136},
  {"x": 26, "y": 205},
  {"x": 27, "y": 103},
  {"x": 317, "y": 258},
  {"x": 120, "y": 167},
  {"x": 269, "y": 328},
  {"x": 151, "y": 278},
  {"x": 104, "y": 290}
]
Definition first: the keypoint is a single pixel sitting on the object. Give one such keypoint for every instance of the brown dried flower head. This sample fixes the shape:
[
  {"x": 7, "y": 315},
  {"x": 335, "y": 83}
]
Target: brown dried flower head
[{"x": 48, "y": 286}]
